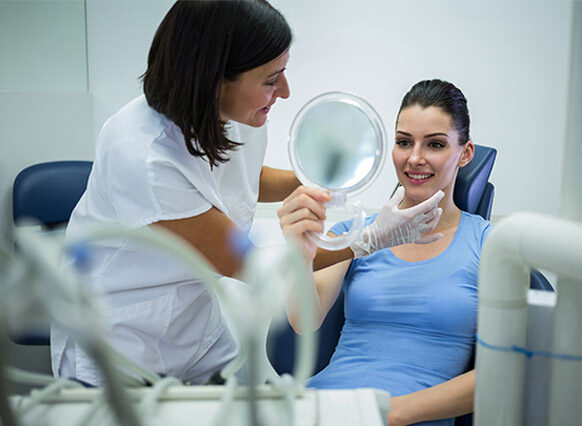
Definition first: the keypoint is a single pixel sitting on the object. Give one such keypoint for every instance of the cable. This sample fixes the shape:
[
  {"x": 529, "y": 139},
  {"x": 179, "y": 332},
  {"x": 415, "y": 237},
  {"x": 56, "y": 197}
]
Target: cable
[
  {"x": 7, "y": 417},
  {"x": 149, "y": 402},
  {"x": 88, "y": 331},
  {"x": 67, "y": 300},
  {"x": 37, "y": 397},
  {"x": 226, "y": 402}
]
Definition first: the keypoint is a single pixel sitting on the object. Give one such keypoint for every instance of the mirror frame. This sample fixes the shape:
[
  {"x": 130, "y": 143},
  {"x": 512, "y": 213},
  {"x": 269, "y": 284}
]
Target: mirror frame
[{"x": 375, "y": 122}]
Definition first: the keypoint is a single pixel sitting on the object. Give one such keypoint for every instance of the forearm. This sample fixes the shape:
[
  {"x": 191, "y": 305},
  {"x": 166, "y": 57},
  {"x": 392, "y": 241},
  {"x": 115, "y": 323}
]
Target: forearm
[
  {"x": 452, "y": 398},
  {"x": 294, "y": 303},
  {"x": 325, "y": 258},
  {"x": 276, "y": 184},
  {"x": 326, "y": 286}
]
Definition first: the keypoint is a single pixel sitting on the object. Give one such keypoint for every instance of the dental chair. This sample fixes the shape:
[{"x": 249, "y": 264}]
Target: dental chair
[
  {"x": 473, "y": 194},
  {"x": 46, "y": 194}
]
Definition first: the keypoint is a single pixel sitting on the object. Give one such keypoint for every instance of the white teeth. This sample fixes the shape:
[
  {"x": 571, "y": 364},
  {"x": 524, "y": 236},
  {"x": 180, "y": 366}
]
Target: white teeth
[{"x": 418, "y": 177}]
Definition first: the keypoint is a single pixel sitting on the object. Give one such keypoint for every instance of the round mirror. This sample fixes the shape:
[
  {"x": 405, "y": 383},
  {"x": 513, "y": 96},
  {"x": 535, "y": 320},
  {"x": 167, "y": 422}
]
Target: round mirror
[{"x": 337, "y": 142}]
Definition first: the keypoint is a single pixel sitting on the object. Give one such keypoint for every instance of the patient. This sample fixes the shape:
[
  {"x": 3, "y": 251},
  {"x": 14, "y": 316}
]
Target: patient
[{"x": 410, "y": 310}]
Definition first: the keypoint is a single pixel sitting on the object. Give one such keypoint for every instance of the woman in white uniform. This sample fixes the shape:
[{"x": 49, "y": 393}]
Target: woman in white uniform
[{"x": 186, "y": 156}]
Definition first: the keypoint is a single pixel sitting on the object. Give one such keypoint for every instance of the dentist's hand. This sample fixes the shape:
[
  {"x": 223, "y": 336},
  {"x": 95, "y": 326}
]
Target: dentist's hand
[
  {"x": 394, "y": 227},
  {"x": 303, "y": 211}
]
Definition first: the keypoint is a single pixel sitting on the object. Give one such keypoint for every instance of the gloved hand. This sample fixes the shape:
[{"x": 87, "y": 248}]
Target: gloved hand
[{"x": 394, "y": 227}]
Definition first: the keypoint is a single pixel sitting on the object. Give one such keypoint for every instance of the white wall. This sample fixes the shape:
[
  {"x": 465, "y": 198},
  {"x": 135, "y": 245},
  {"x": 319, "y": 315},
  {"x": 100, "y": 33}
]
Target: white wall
[
  {"x": 45, "y": 108},
  {"x": 510, "y": 58}
]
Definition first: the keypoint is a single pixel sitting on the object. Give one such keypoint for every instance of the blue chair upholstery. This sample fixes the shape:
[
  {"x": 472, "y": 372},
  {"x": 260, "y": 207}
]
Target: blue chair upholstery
[
  {"x": 47, "y": 193},
  {"x": 473, "y": 192}
]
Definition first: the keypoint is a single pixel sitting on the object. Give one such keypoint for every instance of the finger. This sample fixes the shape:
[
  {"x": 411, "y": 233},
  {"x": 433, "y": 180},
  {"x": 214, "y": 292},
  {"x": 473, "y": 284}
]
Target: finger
[
  {"x": 396, "y": 198},
  {"x": 298, "y": 229},
  {"x": 432, "y": 220},
  {"x": 299, "y": 202},
  {"x": 319, "y": 195},
  {"x": 428, "y": 204},
  {"x": 427, "y": 239},
  {"x": 297, "y": 216}
]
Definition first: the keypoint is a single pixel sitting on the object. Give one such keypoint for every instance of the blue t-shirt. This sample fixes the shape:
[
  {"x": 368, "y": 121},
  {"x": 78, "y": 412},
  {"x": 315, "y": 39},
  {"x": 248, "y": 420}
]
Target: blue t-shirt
[{"x": 409, "y": 325}]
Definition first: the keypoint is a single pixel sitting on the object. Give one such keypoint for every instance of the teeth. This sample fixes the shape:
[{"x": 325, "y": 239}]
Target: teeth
[{"x": 419, "y": 177}]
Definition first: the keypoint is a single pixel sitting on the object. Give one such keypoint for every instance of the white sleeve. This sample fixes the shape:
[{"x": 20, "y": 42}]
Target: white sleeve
[{"x": 144, "y": 191}]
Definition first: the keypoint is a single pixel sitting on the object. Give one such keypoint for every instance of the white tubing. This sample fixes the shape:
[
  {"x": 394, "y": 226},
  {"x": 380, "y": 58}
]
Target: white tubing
[
  {"x": 517, "y": 243},
  {"x": 566, "y": 379}
]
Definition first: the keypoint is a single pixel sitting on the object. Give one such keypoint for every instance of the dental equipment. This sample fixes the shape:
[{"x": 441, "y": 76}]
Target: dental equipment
[
  {"x": 257, "y": 272},
  {"x": 516, "y": 244}
]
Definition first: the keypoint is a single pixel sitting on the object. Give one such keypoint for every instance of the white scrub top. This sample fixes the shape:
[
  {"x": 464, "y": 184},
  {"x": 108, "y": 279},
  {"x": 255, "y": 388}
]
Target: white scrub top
[{"x": 159, "y": 314}]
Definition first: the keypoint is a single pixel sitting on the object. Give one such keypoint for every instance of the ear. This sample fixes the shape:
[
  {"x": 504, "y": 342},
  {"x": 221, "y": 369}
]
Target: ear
[{"x": 467, "y": 154}]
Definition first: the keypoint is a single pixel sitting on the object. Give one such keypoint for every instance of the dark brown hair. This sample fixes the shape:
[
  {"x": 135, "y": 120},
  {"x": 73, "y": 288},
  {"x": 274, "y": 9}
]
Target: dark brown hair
[
  {"x": 443, "y": 95},
  {"x": 197, "y": 45}
]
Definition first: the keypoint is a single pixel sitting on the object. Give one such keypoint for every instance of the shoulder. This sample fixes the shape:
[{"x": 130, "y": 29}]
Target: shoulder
[
  {"x": 475, "y": 226},
  {"x": 132, "y": 117}
]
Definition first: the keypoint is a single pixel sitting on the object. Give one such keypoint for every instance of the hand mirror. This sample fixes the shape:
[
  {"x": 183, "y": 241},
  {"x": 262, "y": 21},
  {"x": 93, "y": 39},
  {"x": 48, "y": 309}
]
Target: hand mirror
[{"x": 337, "y": 143}]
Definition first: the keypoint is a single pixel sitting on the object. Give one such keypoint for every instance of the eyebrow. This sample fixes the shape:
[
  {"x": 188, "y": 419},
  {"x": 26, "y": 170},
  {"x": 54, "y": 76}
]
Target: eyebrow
[
  {"x": 426, "y": 136},
  {"x": 276, "y": 72}
]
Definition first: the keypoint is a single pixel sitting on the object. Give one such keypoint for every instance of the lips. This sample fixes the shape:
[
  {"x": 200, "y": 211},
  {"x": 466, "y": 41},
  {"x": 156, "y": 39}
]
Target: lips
[
  {"x": 418, "y": 177},
  {"x": 267, "y": 108}
]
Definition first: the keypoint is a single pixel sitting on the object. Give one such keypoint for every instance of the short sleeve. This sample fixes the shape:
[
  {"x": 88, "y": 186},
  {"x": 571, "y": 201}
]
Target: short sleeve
[
  {"x": 146, "y": 190},
  {"x": 486, "y": 230}
]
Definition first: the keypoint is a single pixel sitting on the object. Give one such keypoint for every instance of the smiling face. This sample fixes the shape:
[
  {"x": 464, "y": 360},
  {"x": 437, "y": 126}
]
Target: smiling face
[
  {"x": 249, "y": 97},
  {"x": 427, "y": 154}
]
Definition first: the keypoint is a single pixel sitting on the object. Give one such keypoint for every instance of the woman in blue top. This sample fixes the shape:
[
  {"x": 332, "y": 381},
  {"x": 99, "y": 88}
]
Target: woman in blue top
[{"x": 410, "y": 310}]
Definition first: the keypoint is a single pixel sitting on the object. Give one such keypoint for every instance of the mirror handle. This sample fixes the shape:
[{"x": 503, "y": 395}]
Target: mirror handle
[{"x": 338, "y": 243}]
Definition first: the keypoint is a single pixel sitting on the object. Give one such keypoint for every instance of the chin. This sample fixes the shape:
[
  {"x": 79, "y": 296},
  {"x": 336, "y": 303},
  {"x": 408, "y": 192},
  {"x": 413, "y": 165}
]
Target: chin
[
  {"x": 420, "y": 194},
  {"x": 256, "y": 121}
]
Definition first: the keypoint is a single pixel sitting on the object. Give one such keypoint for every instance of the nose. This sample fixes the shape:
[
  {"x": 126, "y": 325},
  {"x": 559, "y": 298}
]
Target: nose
[
  {"x": 416, "y": 156},
  {"x": 283, "y": 89}
]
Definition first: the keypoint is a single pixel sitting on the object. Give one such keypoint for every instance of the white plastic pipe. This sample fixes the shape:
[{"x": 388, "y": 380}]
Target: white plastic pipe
[{"x": 518, "y": 243}]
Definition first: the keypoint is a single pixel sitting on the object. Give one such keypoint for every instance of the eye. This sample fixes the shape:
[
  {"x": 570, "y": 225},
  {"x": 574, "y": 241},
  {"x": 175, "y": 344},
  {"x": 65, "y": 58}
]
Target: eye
[
  {"x": 403, "y": 143},
  {"x": 272, "y": 82},
  {"x": 436, "y": 144}
]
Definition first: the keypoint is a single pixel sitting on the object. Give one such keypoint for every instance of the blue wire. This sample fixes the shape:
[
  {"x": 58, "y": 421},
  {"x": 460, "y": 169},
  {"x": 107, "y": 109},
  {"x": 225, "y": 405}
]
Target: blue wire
[{"x": 528, "y": 353}]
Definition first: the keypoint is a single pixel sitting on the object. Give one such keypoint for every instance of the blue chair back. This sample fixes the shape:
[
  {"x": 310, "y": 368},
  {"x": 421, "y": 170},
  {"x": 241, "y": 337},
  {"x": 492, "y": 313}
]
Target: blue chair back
[
  {"x": 473, "y": 191},
  {"x": 47, "y": 193}
]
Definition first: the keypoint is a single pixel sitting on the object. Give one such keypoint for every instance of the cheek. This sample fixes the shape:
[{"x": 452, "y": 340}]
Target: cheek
[
  {"x": 398, "y": 160},
  {"x": 449, "y": 165}
]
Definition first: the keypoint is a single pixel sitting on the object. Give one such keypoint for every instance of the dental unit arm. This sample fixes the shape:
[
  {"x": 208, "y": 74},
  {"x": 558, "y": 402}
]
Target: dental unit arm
[{"x": 64, "y": 298}]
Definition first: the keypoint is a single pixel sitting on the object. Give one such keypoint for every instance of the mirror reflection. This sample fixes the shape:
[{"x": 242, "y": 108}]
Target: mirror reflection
[{"x": 337, "y": 145}]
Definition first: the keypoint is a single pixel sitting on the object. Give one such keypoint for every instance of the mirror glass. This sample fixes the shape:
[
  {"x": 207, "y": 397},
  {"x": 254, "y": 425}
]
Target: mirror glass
[{"x": 337, "y": 142}]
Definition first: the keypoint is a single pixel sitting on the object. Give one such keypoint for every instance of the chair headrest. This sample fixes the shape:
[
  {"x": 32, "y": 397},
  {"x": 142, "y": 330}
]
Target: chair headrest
[{"x": 472, "y": 179}]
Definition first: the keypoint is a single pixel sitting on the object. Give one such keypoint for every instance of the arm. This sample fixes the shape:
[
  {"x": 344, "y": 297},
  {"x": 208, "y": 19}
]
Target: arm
[
  {"x": 448, "y": 399},
  {"x": 209, "y": 233},
  {"x": 276, "y": 184},
  {"x": 327, "y": 284}
]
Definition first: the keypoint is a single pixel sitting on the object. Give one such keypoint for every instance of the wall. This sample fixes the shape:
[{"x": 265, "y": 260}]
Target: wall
[
  {"x": 46, "y": 112},
  {"x": 511, "y": 59}
]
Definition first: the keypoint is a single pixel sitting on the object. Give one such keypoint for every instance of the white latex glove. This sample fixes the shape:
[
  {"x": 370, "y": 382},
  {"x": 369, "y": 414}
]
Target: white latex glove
[{"x": 394, "y": 227}]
